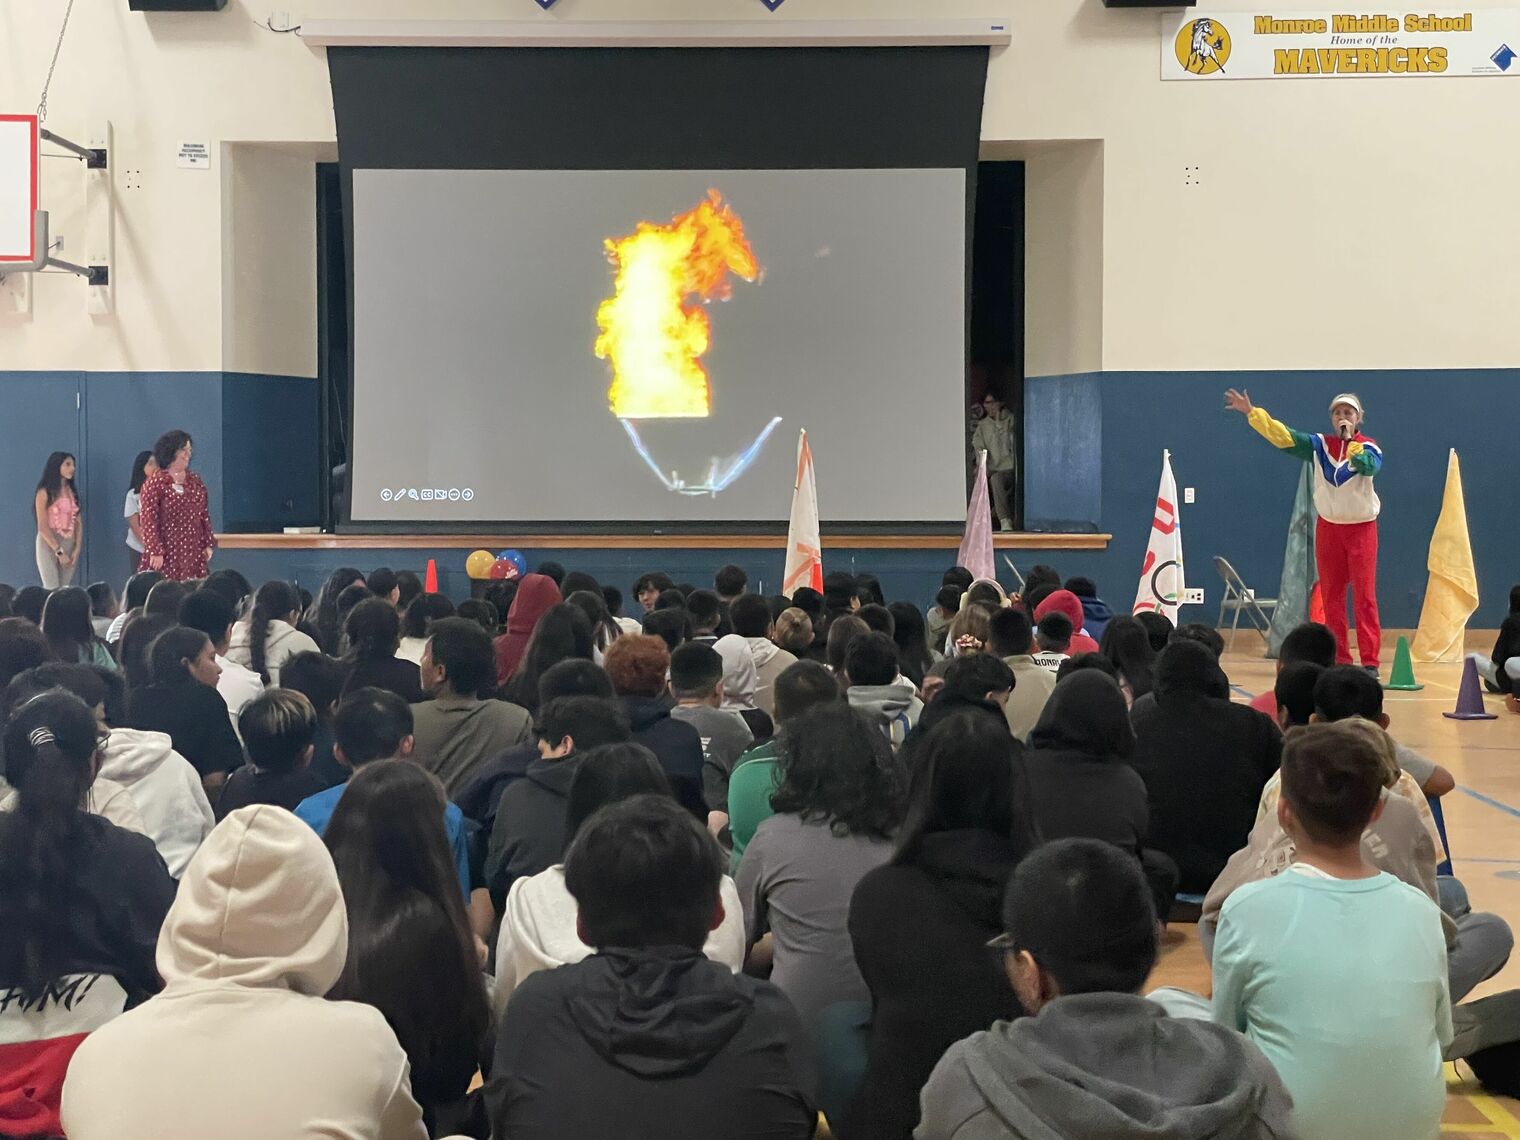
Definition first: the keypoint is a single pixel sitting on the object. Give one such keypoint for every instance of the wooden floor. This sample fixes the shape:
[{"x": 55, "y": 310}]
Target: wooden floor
[{"x": 1482, "y": 822}]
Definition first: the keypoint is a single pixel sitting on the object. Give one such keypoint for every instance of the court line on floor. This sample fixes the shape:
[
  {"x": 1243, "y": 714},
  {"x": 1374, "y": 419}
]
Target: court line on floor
[{"x": 1490, "y": 801}]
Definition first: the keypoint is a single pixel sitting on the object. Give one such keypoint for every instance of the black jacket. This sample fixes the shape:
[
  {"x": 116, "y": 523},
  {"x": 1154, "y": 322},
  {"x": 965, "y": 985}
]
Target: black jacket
[
  {"x": 196, "y": 719},
  {"x": 1079, "y": 781},
  {"x": 479, "y": 798},
  {"x": 1507, "y": 646},
  {"x": 529, "y": 833},
  {"x": 675, "y": 744},
  {"x": 121, "y": 893},
  {"x": 392, "y": 674},
  {"x": 657, "y": 1042},
  {"x": 920, "y": 934},
  {"x": 282, "y": 789},
  {"x": 1204, "y": 762}
]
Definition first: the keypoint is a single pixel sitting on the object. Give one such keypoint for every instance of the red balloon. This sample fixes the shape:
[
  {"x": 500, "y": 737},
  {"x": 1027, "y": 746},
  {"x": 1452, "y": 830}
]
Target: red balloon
[{"x": 503, "y": 568}]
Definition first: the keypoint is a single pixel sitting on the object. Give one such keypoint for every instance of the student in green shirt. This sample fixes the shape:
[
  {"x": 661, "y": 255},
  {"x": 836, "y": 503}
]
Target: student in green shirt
[{"x": 798, "y": 688}]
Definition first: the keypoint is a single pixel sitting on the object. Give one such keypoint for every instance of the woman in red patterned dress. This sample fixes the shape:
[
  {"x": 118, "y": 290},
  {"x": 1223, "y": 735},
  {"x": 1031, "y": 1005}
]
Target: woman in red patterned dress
[{"x": 176, "y": 521}]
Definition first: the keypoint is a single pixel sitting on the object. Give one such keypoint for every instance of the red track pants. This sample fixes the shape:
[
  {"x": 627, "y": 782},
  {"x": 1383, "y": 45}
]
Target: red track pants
[{"x": 1347, "y": 557}]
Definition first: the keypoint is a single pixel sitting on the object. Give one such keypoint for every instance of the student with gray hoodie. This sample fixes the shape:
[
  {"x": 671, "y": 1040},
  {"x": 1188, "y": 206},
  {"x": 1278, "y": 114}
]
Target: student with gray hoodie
[
  {"x": 875, "y": 687},
  {"x": 1094, "y": 1058}
]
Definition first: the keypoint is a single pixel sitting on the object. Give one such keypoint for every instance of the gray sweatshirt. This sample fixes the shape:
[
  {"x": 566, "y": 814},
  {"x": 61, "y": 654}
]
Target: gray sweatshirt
[{"x": 1111, "y": 1066}]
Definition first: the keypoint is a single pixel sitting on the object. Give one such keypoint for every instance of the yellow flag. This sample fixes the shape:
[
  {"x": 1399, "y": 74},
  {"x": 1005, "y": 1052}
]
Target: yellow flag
[{"x": 1452, "y": 595}]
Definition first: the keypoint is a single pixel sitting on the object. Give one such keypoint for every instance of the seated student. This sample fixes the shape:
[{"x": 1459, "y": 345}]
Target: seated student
[
  {"x": 1081, "y": 783},
  {"x": 1053, "y": 636},
  {"x": 1094, "y": 1058},
  {"x": 648, "y": 587},
  {"x": 842, "y": 630},
  {"x": 1501, "y": 671},
  {"x": 66, "y": 624},
  {"x": 1065, "y": 602},
  {"x": 872, "y": 687},
  {"x": 672, "y": 626},
  {"x": 28, "y": 603},
  {"x": 409, "y": 589},
  {"x": 648, "y": 1037},
  {"x": 456, "y": 732},
  {"x": 878, "y": 618},
  {"x": 382, "y": 583},
  {"x": 1204, "y": 634},
  {"x": 754, "y": 778},
  {"x": 183, "y": 702},
  {"x": 480, "y": 796},
  {"x": 696, "y": 682},
  {"x": 967, "y": 826},
  {"x": 1310, "y": 642},
  {"x": 1204, "y": 761},
  {"x": 165, "y": 787},
  {"x": 81, "y": 902},
  {"x": 538, "y": 924},
  {"x": 1126, "y": 644},
  {"x": 613, "y": 597},
  {"x": 411, "y": 952},
  {"x": 1095, "y": 611},
  {"x": 319, "y": 678},
  {"x": 136, "y": 640},
  {"x": 973, "y": 682},
  {"x": 268, "y": 637},
  {"x": 1356, "y": 1017},
  {"x": 132, "y": 601},
  {"x": 914, "y": 657},
  {"x": 837, "y": 805},
  {"x": 374, "y": 725},
  {"x": 482, "y": 613},
  {"x": 795, "y": 634},
  {"x": 420, "y": 614},
  {"x": 212, "y": 614},
  {"x": 277, "y": 732},
  {"x": 255, "y": 938},
  {"x": 563, "y": 633},
  {"x": 740, "y": 676},
  {"x": 528, "y": 835},
  {"x": 1158, "y": 627},
  {"x": 639, "y": 667},
  {"x": 947, "y": 603},
  {"x": 106, "y": 798},
  {"x": 706, "y": 615},
  {"x": 1011, "y": 637},
  {"x": 751, "y": 617},
  {"x": 372, "y": 632}
]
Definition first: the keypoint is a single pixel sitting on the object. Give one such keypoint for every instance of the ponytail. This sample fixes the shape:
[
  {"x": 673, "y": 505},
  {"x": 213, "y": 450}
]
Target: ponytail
[
  {"x": 273, "y": 601},
  {"x": 50, "y": 745}
]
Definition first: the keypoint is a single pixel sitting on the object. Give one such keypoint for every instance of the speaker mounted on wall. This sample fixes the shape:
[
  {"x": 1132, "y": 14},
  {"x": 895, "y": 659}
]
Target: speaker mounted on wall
[{"x": 176, "y": 5}]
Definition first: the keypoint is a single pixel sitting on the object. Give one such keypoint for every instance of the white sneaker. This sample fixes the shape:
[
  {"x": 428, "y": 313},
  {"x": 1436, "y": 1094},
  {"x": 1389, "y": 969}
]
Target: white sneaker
[{"x": 1007, "y": 524}]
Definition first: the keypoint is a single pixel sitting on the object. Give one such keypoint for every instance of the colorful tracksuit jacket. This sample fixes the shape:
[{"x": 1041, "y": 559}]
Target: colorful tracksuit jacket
[{"x": 1343, "y": 469}]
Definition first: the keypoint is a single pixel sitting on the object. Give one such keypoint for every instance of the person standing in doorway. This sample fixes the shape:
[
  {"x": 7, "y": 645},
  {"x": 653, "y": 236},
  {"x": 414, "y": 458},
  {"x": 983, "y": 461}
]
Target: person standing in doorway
[
  {"x": 1344, "y": 462},
  {"x": 996, "y": 435},
  {"x": 176, "y": 520},
  {"x": 142, "y": 468},
  {"x": 60, "y": 526}
]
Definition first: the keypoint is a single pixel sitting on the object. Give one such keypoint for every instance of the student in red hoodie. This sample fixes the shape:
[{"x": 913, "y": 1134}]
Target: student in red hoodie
[
  {"x": 535, "y": 594},
  {"x": 1064, "y": 601},
  {"x": 81, "y": 903}
]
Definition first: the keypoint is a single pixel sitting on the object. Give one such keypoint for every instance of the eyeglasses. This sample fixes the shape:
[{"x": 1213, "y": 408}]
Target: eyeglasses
[
  {"x": 1002, "y": 942},
  {"x": 102, "y": 741}
]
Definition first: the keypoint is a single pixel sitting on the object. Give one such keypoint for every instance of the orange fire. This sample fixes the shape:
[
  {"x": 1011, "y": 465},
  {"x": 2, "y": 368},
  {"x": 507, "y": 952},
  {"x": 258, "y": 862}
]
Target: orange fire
[{"x": 654, "y": 326}]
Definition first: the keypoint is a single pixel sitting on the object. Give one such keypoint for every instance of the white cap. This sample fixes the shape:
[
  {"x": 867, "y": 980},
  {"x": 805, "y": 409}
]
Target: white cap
[{"x": 1348, "y": 398}]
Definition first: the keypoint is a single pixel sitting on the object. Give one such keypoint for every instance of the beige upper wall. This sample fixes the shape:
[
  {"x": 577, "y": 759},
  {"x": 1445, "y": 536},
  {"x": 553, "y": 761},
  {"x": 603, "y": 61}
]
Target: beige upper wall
[{"x": 1336, "y": 224}]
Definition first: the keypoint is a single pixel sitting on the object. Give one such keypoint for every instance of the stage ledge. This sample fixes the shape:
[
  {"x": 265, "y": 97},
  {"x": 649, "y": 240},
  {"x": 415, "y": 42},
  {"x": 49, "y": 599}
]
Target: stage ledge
[
  {"x": 780, "y": 32},
  {"x": 1018, "y": 540}
]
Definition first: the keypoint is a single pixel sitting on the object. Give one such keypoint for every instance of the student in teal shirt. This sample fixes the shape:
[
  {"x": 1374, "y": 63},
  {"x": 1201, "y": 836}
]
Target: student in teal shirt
[
  {"x": 1337, "y": 971},
  {"x": 797, "y": 688}
]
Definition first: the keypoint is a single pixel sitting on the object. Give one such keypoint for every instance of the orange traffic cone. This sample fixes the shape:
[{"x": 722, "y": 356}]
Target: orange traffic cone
[{"x": 430, "y": 579}]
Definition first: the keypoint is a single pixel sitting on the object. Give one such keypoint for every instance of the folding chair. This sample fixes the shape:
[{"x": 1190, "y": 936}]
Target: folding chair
[{"x": 1242, "y": 600}]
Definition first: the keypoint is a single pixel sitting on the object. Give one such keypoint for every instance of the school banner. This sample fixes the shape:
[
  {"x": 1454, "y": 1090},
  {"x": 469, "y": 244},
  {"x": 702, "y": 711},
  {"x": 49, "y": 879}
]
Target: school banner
[{"x": 1340, "y": 45}]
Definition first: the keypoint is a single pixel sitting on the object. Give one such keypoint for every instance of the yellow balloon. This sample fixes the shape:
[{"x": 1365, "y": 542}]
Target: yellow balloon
[{"x": 478, "y": 565}]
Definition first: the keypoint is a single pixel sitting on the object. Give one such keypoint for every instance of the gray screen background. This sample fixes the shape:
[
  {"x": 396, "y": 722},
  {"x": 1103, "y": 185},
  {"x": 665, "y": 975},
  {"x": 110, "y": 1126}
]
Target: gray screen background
[{"x": 475, "y": 297}]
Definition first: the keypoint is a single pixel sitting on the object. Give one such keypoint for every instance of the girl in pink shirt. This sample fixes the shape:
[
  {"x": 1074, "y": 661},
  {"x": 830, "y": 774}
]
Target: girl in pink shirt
[{"x": 60, "y": 526}]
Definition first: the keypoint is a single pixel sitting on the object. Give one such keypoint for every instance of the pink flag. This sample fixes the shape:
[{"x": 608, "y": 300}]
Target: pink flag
[
  {"x": 976, "y": 547},
  {"x": 804, "y": 556}
]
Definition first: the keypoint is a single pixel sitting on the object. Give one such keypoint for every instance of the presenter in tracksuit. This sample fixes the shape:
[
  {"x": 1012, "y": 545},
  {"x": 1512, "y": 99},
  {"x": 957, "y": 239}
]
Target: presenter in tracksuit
[{"x": 1344, "y": 462}]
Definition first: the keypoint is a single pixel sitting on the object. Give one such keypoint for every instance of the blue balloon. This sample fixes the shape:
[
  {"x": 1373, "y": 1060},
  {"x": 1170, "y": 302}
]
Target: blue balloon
[{"x": 515, "y": 557}]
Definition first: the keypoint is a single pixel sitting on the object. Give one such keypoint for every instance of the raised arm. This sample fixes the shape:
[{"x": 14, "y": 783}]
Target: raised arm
[{"x": 1279, "y": 435}]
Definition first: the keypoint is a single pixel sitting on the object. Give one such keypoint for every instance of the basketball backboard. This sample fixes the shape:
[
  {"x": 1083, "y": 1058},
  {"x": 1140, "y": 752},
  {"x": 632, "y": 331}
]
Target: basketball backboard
[{"x": 18, "y": 189}]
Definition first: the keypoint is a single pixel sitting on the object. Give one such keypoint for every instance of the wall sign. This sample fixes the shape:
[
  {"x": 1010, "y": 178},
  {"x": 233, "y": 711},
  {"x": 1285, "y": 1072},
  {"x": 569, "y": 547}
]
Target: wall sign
[
  {"x": 1392, "y": 44},
  {"x": 193, "y": 156}
]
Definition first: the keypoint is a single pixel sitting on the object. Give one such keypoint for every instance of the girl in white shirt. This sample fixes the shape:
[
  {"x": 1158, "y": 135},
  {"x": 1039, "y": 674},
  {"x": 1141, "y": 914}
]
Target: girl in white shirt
[{"x": 143, "y": 466}]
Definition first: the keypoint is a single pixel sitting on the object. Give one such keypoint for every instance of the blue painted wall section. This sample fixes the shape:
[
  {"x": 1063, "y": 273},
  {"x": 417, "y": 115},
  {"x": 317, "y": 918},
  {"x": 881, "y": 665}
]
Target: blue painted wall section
[{"x": 1093, "y": 446}]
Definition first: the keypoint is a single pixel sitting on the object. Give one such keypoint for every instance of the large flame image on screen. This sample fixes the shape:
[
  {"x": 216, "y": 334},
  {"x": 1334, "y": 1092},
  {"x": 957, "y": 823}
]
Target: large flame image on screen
[{"x": 654, "y": 327}]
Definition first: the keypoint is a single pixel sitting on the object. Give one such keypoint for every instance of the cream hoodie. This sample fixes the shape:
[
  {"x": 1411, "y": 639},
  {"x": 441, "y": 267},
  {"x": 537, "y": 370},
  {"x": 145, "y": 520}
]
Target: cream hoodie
[
  {"x": 167, "y": 790},
  {"x": 241, "y": 1044},
  {"x": 538, "y": 932},
  {"x": 281, "y": 643}
]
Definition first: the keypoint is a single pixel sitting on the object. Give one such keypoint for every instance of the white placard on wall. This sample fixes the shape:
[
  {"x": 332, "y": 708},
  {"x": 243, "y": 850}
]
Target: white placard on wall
[
  {"x": 1391, "y": 44},
  {"x": 193, "y": 156}
]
